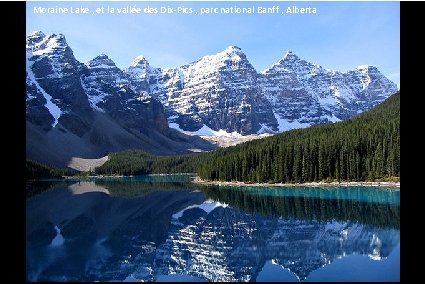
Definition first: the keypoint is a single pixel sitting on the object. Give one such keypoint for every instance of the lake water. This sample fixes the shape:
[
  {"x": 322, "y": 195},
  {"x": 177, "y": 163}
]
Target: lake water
[{"x": 162, "y": 228}]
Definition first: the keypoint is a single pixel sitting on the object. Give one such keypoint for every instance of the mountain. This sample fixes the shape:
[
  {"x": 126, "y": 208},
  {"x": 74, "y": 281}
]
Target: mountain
[
  {"x": 88, "y": 110},
  {"x": 318, "y": 96},
  {"x": 220, "y": 91},
  {"x": 225, "y": 92}
]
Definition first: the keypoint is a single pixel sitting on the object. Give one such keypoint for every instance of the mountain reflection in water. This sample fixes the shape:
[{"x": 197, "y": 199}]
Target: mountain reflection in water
[{"x": 161, "y": 229}]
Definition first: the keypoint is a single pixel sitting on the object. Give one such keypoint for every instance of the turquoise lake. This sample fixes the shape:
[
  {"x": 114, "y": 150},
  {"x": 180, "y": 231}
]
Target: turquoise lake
[{"x": 164, "y": 228}]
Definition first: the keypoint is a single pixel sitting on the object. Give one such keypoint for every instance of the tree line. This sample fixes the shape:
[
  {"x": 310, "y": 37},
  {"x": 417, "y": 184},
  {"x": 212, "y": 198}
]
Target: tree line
[
  {"x": 138, "y": 162},
  {"x": 35, "y": 170}
]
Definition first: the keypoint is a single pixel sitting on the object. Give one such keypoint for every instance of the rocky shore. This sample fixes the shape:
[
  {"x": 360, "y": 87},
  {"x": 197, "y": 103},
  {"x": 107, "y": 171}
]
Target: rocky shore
[{"x": 308, "y": 184}]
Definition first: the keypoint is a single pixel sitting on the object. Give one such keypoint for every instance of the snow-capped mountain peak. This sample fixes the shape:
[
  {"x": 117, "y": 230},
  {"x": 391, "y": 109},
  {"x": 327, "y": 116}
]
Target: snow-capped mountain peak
[
  {"x": 290, "y": 62},
  {"x": 101, "y": 61},
  {"x": 232, "y": 49},
  {"x": 365, "y": 67},
  {"x": 290, "y": 55},
  {"x": 34, "y": 38},
  {"x": 138, "y": 74},
  {"x": 40, "y": 44},
  {"x": 139, "y": 60},
  {"x": 232, "y": 57},
  {"x": 293, "y": 62}
]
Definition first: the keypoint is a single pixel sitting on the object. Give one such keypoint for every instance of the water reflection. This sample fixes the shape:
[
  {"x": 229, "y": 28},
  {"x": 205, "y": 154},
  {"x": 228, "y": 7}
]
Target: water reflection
[
  {"x": 344, "y": 204},
  {"x": 172, "y": 230}
]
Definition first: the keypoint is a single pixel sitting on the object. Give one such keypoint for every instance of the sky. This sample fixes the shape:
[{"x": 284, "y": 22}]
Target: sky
[{"x": 340, "y": 36}]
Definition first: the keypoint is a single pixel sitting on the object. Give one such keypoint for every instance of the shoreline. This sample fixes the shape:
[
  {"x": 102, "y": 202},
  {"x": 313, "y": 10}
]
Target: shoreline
[
  {"x": 197, "y": 180},
  {"x": 121, "y": 176}
]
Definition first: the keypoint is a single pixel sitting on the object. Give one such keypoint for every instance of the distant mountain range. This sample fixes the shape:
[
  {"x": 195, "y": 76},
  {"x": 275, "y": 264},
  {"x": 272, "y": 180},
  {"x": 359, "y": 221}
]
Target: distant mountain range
[{"x": 87, "y": 110}]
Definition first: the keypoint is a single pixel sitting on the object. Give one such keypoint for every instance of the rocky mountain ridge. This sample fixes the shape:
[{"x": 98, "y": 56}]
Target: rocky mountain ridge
[
  {"x": 225, "y": 92},
  {"x": 88, "y": 110}
]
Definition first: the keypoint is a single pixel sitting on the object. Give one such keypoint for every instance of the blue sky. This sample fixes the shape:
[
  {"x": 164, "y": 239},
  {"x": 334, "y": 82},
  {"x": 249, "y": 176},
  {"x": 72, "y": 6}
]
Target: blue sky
[{"x": 340, "y": 36}]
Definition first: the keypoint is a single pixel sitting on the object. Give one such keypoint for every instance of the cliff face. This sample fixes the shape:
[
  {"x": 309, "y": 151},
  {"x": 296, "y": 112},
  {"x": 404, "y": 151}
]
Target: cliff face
[{"x": 224, "y": 92}]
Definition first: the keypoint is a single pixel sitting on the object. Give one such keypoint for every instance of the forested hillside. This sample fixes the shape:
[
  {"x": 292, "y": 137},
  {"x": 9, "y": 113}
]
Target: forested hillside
[
  {"x": 138, "y": 162},
  {"x": 36, "y": 170},
  {"x": 363, "y": 148}
]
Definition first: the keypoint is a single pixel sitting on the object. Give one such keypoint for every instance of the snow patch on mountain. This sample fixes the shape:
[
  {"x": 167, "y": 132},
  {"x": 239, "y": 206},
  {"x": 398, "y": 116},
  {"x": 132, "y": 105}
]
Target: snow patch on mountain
[
  {"x": 205, "y": 131},
  {"x": 53, "y": 109},
  {"x": 286, "y": 125},
  {"x": 265, "y": 129},
  {"x": 95, "y": 98}
]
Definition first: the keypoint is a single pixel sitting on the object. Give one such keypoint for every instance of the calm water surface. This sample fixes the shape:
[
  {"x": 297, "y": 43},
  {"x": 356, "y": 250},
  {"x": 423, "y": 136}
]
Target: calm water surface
[{"x": 162, "y": 228}]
